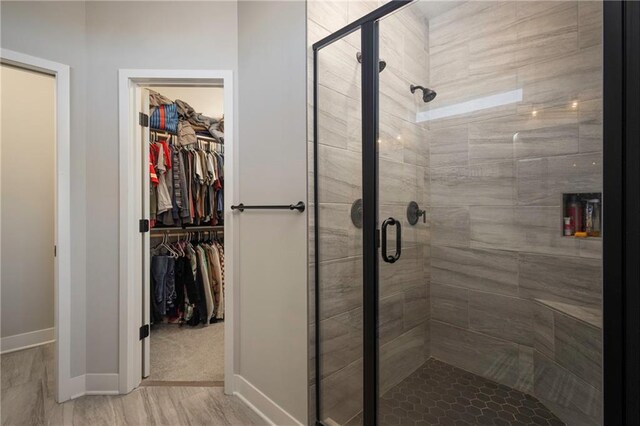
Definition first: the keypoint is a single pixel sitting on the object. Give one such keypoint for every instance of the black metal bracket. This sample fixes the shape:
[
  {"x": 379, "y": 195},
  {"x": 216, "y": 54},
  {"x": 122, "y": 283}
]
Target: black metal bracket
[
  {"x": 144, "y": 225},
  {"x": 382, "y": 64},
  {"x": 144, "y": 331},
  {"x": 299, "y": 206},
  {"x": 143, "y": 120}
]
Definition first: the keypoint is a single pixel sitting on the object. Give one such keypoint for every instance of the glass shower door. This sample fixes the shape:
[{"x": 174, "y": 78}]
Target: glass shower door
[
  {"x": 403, "y": 177},
  {"x": 336, "y": 252},
  {"x": 489, "y": 141}
]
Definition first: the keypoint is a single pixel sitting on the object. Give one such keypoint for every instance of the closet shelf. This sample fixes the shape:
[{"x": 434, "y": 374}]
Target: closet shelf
[
  {"x": 160, "y": 231},
  {"x": 198, "y": 135}
]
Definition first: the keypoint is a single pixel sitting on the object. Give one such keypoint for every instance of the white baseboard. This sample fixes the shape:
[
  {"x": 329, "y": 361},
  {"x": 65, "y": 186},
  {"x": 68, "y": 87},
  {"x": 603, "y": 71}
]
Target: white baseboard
[
  {"x": 77, "y": 386},
  {"x": 93, "y": 384},
  {"x": 102, "y": 384},
  {"x": 262, "y": 404},
  {"x": 27, "y": 340}
]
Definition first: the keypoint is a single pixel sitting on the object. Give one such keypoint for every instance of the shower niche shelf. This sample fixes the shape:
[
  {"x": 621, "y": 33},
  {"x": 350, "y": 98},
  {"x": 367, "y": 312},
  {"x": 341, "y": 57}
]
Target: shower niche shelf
[{"x": 581, "y": 215}]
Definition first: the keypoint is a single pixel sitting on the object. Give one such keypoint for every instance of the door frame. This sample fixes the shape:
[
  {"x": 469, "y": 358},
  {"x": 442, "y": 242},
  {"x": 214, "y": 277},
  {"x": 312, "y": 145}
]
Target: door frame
[
  {"x": 368, "y": 26},
  {"x": 621, "y": 246},
  {"x": 130, "y": 265},
  {"x": 64, "y": 387}
]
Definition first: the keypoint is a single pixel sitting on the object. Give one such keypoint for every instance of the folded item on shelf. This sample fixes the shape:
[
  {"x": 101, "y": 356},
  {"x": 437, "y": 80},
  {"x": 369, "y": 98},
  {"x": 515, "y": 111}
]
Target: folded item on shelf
[
  {"x": 156, "y": 99},
  {"x": 186, "y": 133},
  {"x": 199, "y": 121},
  {"x": 164, "y": 117}
]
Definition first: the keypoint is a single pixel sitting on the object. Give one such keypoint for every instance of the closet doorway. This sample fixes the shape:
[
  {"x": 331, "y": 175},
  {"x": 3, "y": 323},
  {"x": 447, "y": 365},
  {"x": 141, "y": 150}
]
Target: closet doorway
[
  {"x": 36, "y": 231},
  {"x": 176, "y": 233},
  {"x": 185, "y": 286}
]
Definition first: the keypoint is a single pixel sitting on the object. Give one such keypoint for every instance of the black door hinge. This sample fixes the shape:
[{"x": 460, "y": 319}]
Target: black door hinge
[
  {"x": 144, "y": 331},
  {"x": 144, "y": 225},
  {"x": 144, "y": 120}
]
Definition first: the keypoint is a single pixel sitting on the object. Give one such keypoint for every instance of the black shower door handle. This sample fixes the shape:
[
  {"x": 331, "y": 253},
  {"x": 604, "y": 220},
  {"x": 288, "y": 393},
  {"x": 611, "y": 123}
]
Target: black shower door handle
[{"x": 391, "y": 221}]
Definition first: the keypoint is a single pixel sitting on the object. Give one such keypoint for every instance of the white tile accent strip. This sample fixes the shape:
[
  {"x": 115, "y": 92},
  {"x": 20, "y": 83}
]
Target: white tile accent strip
[
  {"x": 32, "y": 339},
  {"x": 473, "y": 105}
]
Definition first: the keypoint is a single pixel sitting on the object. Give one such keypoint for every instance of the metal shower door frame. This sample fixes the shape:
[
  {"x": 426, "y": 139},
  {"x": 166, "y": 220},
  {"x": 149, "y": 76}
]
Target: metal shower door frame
[{"x": 368, "y": 26}]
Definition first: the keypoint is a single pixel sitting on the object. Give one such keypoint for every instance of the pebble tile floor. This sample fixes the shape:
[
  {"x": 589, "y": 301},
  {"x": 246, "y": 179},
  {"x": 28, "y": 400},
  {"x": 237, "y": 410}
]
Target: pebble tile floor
[{"x": 440, "y": 394}]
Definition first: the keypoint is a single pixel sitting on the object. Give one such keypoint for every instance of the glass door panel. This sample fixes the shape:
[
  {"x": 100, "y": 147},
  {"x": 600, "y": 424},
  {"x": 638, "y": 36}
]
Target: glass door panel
[
  {"x": 403, "y": 177},
  {"x": 489, "y": 141},
  {"x": 338, "y": 229}
]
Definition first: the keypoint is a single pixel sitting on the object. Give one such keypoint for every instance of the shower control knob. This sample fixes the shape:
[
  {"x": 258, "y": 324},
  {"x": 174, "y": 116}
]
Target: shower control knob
[
  {"x": 356, "y": 213},
  {"x": 414, "y": 212}
]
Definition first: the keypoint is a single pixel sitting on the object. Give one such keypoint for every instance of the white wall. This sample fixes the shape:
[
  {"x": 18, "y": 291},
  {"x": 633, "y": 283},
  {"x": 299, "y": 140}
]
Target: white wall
[
  {"x": 56, "y": 31},
  {"x": 98, "y": 38},
  {"x": 273, "y": 259},
  {"x": 118, "y": 36},
  {"x": 28, "y": 204},
  {"x": 205, "y": 100}
]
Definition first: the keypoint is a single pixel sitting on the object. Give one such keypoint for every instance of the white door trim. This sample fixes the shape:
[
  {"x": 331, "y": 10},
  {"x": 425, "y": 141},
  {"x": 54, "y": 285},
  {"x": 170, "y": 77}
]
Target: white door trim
[
  {"x": 62, "y": 262},
  {"x": 130, "y": 354}
]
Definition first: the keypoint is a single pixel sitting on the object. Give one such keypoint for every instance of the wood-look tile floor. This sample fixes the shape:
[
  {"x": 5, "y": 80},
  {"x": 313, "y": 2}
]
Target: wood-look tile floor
[{"x": 27, "y": 399}]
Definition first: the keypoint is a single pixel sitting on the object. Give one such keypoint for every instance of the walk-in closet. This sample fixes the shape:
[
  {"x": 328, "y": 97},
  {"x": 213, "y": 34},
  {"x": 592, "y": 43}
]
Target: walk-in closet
[{"x": 184, "y": 253}]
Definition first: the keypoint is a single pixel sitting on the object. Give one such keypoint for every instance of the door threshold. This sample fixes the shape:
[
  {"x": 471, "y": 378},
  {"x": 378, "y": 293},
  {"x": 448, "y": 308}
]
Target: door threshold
[{"x": 178, "y": 383}]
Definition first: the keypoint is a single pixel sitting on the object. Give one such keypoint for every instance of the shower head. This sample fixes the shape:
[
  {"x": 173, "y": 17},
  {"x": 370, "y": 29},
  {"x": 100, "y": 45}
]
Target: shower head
[
  {"x": 382, "y": 64},
  {"x": 427, "y": 94}
]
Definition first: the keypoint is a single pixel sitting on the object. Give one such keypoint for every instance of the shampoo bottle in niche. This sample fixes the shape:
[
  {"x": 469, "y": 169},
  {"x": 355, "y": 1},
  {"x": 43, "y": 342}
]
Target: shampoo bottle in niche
[
  {"x": 574, "y": 211},
  {"x": 588, "y": 217},
  {"x": 594, "y": 218},
  {"x": 567, "y": 226}
]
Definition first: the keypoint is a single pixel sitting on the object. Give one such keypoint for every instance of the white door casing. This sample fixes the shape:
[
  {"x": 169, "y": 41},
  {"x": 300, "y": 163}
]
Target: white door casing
[
  {"x": 134, "y": 202},
  {"x": 143, "y": 137},
  {"x": 64, "y": 388}
]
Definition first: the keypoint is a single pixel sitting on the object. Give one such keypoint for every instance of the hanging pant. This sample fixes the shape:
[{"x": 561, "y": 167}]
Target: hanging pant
[{"x": 163, "y": 292}]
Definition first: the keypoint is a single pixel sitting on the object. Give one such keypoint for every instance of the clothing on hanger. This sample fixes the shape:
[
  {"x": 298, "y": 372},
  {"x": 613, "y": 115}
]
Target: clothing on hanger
[{"x": 187, "y": 282}]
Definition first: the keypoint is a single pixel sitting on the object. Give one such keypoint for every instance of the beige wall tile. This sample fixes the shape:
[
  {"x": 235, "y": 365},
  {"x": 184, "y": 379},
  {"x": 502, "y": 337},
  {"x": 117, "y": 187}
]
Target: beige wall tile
[
  {"x": 565, "y": 279},
  {"x": 450, "y": 304},
  {"x": 493, "y": 271},
  {"x": 478, "y": 353},
  {"x": 504, "y": 317}
]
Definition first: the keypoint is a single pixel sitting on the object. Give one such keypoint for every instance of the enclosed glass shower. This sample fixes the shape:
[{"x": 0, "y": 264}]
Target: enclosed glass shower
[{"x": 456, "y": 234}]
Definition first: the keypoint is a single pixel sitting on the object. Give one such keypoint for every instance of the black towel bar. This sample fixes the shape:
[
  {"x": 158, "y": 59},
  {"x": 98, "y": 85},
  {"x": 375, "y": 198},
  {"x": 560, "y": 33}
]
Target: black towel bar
[{"x": 299, "y": 206}]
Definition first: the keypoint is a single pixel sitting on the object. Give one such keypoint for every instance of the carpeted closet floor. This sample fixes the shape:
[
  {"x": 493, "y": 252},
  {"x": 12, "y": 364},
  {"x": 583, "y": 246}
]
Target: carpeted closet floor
[{"x": 187, "y": 354}]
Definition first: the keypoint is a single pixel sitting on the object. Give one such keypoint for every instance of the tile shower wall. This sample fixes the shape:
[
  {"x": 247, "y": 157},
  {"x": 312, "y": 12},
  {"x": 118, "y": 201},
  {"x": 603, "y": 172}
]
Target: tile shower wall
[
  {"x": 511, "y": 299},
  {"x": 404, "y": 177}
]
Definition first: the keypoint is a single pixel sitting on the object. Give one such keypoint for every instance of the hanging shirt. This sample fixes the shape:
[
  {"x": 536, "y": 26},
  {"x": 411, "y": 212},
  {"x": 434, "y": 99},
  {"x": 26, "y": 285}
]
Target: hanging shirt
[
  {"x": 204, "y": 271},
  {"x": 185, "y": 215},
  {"x": 211, "y": 169},
  {"x": 217, "y": 268},
  {"x": 152, "y": 170},
  {"x": 163, "y": 164}
]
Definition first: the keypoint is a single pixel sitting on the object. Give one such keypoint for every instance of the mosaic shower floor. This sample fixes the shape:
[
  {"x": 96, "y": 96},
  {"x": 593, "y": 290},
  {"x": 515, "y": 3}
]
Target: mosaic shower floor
[{"x": 440, "y": 394}]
